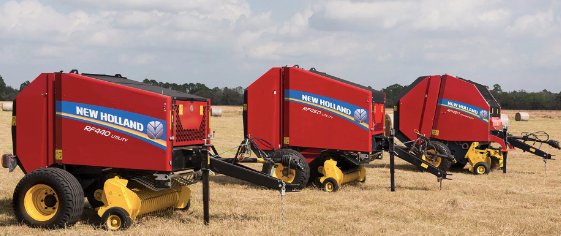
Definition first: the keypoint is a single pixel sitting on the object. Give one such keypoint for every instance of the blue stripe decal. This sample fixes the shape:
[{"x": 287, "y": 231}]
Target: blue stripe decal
[
  {"x": 163, "y": 147},
  {"x": 352, "y": 113},
  {"x": 142, "y": 127},
  {"x": 473, "y": 111}
]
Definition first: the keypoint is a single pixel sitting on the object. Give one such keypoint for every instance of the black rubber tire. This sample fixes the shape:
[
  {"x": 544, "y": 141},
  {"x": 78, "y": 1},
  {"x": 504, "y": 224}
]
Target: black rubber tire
[
  {"x": 442, "y": 149},
  {"x": 458, "y": 166},
  {"x": 477, "y": 165},
  {"x": 68, "y": 190},
  {"x": 333, "y": 183},
  {"x": 89, "y": 192},
  {"x": 125, "y": 218},
  {"x": 302, "y": 176}
]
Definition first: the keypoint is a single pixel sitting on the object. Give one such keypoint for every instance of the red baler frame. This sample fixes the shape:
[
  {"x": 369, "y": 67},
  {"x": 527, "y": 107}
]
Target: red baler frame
[
  {"x": 311, "y": 111},
  {"x": 63, "y": 119}
]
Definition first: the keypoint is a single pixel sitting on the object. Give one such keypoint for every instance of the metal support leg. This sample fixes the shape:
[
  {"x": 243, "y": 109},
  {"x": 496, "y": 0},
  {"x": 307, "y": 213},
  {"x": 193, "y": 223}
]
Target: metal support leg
[
  {"x": 505, "y": 157},
  {"x": 205, "y": 161},
  {"x": 505, "y": 154},
  {"x": 392, "y": 163}
]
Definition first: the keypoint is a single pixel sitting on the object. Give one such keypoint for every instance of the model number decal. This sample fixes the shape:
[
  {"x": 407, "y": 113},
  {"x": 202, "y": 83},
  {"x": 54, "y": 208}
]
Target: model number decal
[
  {"x": 104, "y": 133},
  {"x": 317, "y": 112}
]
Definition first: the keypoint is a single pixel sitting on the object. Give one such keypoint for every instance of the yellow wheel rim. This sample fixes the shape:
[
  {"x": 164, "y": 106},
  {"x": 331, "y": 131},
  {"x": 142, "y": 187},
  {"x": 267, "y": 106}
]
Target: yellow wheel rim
[
  {"x": 432, "y": 158},
  {"x": 329, "y": 187},
  {"x": 41, "y": 202},
  {"x": 481, "y": 169},
  {"x": 113, "y": 222},
  {"x": 284, "y": 175}
]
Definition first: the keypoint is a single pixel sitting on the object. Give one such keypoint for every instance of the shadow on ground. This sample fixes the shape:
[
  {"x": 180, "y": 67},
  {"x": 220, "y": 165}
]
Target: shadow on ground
[
  {"x": 226, "y": 180},
  {"x": 6, "y": 213},
  {"x": 405, "y": 167}
]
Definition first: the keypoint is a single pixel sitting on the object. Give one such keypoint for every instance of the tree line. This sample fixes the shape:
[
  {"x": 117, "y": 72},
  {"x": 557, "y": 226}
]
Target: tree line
[
  {"x": 516, "y": 100},
  {"x": 218, "y": 96}
]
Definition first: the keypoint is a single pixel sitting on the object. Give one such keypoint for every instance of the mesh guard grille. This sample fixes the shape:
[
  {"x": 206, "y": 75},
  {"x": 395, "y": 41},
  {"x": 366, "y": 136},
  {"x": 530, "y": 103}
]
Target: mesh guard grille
[{"x": 189, "y": 135}]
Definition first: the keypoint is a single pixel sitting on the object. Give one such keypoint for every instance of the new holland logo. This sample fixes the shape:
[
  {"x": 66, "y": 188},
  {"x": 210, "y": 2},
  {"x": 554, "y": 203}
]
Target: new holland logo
[
  {"x": 360, "y": 115},
  {"x": 155, "y": 130},
  {"x": 484, "y": 114}
]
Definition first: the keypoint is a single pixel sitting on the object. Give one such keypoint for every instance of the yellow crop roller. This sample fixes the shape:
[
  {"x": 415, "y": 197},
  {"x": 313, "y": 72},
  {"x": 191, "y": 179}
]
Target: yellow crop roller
[
  {"x": 483, "y": 159},
  {"x": 122, "y": 204},
  {"x": 334, "y": 177}
]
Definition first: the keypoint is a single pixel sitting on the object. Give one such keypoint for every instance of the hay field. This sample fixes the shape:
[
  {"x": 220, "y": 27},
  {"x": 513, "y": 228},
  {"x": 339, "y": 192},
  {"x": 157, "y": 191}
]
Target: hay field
[{"x": 523, "y": 201}]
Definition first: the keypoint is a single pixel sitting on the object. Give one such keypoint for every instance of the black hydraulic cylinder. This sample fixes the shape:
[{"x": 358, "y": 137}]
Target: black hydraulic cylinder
[{"x": 205, "y": 160}]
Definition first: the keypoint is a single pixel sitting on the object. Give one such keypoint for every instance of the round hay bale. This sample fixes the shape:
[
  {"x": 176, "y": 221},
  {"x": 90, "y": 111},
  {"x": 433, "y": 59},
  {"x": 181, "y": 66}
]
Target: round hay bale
[
  {"x": 522, "y": 116},
  {"x": 216, "y": 111},
  {"x": 7, "y": 106},
  {"x": 505, "y": 120},
  {"x": 388, "y": 124}
]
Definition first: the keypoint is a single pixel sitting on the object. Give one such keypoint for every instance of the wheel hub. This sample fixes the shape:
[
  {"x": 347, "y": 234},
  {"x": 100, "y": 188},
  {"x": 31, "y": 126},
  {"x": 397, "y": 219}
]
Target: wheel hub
[
  {"x": 41, "y": 202},
  {"x": 433, "y": 158},
  {"x": 283, "y": 173},
  {"x": 50, "y": 200},
  {"x": 480, "y": 169},
  {"x": 113, "y": 222},
  {"x": 329, "y": 187}
]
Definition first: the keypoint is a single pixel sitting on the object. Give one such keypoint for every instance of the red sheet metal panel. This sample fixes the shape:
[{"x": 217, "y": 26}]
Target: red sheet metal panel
[
  {"x": 411, "y": 108},
  {"x": 463, "y": 113},
  {"x": 378, "y": 120},
  {"x": 110, "y": 125},
  {"x": 320, "y": 112},
  {"x": 429, "y": 106},
  {"x": 191, "y": 122},
  {"x": 31, "y": 124},
  {"x": 264, "y": 109}
]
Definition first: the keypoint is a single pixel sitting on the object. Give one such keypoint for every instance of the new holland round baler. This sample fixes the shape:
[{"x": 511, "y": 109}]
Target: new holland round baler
[
  {"x": 128, "y": 147},
  {"x": 464, "y": 117},
  {"x": 318, "y": 128}
]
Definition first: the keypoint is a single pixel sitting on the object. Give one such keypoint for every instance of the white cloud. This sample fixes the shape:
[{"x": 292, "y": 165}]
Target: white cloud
[
  {"x": 370, "y": 42},
  {"x": 421, "y": 15}
]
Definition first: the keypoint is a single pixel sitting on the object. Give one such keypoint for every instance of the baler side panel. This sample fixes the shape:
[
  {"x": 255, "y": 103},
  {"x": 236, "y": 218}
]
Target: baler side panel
[
  {"x": 263, "y": 109},
  {"x": 411, "y": 109},
  {"x": 429, "y": 109},
  {"x": 31, "y": 125},
  {"x": 130, "y": 124},
  {"x": 378, "y": 118},
  {"x": 463, "y": 113},
  {"x": 324, "y": 113}
]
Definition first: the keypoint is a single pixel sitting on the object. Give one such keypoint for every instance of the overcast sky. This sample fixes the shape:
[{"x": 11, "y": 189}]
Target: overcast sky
[{"x": 232, "y": 42}]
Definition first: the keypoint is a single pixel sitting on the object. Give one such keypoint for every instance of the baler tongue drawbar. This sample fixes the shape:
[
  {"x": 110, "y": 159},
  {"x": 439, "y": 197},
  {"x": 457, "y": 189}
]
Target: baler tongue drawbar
[
  {"x": 554, "y": 143},
  {"x": 529, "y": 142}
]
